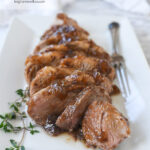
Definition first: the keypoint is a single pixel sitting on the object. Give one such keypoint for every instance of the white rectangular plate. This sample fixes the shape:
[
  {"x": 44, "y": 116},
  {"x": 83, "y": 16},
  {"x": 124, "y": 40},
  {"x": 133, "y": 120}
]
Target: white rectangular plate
[{"x": 21, "y": 39}]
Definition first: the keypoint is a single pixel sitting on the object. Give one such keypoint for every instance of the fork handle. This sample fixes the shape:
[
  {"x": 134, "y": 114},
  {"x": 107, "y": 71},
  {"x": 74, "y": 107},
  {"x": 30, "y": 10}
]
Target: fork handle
[{"x": 114, "y": 30}]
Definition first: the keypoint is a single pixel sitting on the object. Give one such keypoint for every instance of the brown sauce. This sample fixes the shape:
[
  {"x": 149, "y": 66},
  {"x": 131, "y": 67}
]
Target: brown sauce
[
  {"x": 115, "y": 90},
  {"x": 51, "y": 128}
]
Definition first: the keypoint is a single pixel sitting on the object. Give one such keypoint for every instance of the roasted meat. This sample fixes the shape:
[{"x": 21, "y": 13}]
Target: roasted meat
[
  {"x": 74, "y": 111},
  {"x": 54, "y": 98},
  {"x": 49, "y": 101},
  {"x": 35, "y": 62},
  {"x": 70, "y": 81},
  {"x": 46, "y": 76},
  {"x": 104, "y": 126},
  {"x": 89, "y": 64}
]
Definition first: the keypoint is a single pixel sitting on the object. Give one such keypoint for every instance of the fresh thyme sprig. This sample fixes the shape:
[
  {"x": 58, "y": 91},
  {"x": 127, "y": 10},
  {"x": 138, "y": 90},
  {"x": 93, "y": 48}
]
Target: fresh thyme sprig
[
  {"x": 31, "y": 129},
  {"x": 15, "y": 146},
  {"x": 16, "y": 113},
  {"x": 6, "y": 125}
]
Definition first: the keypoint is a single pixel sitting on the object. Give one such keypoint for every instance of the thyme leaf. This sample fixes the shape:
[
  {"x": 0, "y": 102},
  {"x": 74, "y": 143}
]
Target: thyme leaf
[
  {"x": 15, "y": 146},
  {"x": 20, "y": 92}
]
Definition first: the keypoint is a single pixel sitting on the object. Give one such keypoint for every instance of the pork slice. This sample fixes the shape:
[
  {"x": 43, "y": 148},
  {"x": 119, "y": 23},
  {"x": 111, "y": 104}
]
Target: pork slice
[
  {"x": 92, "y": 78},
  {"x": 68, "y": 30},
  {"x": 72, "y": 114},
  {"x": 49, "y": 41},
  {"x": 43, "y": 58},
  {"x": 74, "y": 111},
  {"x": 90, "y": 48},
  {"x": 63, "y": 35},
  {"x": 46, "y": 76},
  {"x": 51, "y": 47},
  {"x": 79, "y": 77},
  {"x": 89, "y": 64},
  {"x": 48, "y": 101},
  {"x": 87, "y": 47},
  {"x": 104, "y": 126},
  {"x": 98, "y": 51},
  {"x": 69, "y": 21},
  {"x": 82, "y": 63},
  {"x": 79, "y": 45},
  {"x": 59, "y": 39},
  {"x": 35, "y": 62},
  {"x": 53, "y": 30},
  {"x": 64, "y": 30},
  {"x": 70, "y": 46}
]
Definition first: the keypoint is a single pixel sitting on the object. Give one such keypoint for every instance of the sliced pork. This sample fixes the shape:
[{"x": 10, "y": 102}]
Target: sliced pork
[
  {"x": 104, "y": 126},
  {"x": 70, "y": 81}
]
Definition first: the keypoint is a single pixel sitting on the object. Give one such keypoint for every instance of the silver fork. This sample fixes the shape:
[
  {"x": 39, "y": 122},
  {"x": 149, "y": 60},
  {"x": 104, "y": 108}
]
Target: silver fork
[{"x": 118, "y": 60}]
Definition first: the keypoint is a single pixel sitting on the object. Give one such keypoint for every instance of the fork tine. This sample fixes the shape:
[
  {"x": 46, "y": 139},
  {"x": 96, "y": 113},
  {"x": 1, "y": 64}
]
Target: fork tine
[
  {"x": 120, "y": 80},
  {"x": 125, "y": 80}
]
